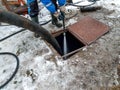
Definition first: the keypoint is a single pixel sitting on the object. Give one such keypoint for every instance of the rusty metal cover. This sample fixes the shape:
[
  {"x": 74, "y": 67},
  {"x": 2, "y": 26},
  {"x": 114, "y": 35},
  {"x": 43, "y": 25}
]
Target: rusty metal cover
[{"x": 87, "y": 30}]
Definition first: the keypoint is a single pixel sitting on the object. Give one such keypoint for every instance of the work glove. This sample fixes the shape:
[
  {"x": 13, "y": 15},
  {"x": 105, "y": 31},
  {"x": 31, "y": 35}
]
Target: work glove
[
  {"x": 61, "y": 16},
  {"x": 62, "y": 12},
  {"x": 56, "y": 14}
]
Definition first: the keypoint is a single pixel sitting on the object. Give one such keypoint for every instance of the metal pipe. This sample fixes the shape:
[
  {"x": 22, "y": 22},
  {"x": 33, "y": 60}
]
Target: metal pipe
[{"x": 14, "y": 19}]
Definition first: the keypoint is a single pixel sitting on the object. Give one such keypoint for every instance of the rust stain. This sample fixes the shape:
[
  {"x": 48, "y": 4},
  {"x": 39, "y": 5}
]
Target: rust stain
[{"x": 87, "y": 30}]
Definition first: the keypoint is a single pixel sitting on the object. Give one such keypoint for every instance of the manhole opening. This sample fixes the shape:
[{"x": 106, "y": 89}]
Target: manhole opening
[{"x": 72, "y": 42}]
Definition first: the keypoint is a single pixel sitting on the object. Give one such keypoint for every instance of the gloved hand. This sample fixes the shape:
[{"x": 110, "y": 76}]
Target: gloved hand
[
  {"x": 62, "y": 12},
  {"x": 56, "y": 14},
  {"x": 61, "y": 16}
]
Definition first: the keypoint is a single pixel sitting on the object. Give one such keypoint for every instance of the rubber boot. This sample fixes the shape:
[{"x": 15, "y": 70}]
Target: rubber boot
[
  {"x": 35, "y": 19},
  {"x": 55, "y": 21}
]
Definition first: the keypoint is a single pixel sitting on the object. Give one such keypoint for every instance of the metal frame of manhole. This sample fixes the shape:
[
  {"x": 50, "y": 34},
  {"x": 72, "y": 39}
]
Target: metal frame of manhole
[{"x": 87, "y": 31}]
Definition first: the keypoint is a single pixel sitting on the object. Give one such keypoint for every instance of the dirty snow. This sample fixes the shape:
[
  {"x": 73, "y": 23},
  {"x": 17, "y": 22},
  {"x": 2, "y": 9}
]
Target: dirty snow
[{"x": 41, "y": 69}]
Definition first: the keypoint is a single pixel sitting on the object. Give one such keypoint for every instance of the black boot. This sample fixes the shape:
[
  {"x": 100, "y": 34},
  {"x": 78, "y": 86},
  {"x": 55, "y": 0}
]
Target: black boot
[{"x": 55, "y": 21}]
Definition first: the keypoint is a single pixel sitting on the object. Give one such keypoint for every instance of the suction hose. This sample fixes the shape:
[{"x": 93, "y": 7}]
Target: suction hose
[{"x": 14, "y": 19}]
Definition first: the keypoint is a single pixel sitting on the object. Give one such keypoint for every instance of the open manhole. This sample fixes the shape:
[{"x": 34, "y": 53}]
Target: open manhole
[
  {"x": 80, "y": 34},
  {"x": 72, "y": 43}
]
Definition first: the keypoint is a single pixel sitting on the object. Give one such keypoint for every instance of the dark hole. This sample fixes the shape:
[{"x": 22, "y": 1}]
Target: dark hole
[{"x": 72, "y": 42}]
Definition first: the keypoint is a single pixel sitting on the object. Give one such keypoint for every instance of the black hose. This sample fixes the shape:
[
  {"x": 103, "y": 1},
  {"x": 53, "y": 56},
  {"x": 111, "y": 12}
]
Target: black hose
[
  {"x": 16, "y": 69},
  {"x": 71, "y": 16},
  {"x": 12, "y": 35},
  {"x": 74, "y": 4},
  {"x": 45, "y": 22}
]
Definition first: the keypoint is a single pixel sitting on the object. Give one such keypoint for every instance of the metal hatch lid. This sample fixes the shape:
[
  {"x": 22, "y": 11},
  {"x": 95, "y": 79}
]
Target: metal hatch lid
[{"x": 88, "y": 29}]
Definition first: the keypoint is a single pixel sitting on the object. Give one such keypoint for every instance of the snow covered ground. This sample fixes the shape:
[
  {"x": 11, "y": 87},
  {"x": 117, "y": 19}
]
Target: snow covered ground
[{"x": 41, "y": 69}]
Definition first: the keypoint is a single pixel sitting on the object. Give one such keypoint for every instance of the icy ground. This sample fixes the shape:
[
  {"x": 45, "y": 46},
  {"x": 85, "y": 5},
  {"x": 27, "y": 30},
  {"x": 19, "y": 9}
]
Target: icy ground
[{"x": 40, "y": 69}]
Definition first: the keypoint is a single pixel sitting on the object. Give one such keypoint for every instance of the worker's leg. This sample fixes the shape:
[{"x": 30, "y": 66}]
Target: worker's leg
[
  {"x": 55, "y": 3},
  {"x": 54, "y": 19},
  {"x": 61, "y": 2},
  {"x": 33, "y": 10}
]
